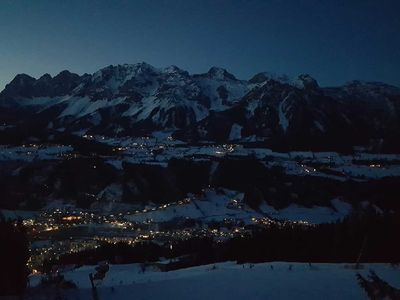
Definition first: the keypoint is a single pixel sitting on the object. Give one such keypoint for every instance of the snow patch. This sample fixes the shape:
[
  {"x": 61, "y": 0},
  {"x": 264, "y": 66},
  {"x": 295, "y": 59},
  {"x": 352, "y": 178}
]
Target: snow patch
[
  {"x": 236, "y": 132},
  {"x": 229, "y": 280},
  {"x": 319, "y": 126},
  {"x": 283, "y": 121}
]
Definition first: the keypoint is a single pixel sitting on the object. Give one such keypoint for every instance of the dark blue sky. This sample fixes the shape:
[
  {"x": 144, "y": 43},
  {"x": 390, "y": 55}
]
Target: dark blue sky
[{"x": 334, "y": 41}]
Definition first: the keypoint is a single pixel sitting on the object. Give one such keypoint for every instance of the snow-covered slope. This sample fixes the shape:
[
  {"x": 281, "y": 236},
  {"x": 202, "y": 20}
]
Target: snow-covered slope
[
  {"x": 306, "y": 116},
  {"x": 277, "y": 280},
  {"x": 217, "y": 207},
  {"x": 119, "y": 98}
]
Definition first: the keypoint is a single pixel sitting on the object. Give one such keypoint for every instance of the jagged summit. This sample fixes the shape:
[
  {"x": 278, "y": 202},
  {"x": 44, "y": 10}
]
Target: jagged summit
[
  {"x": 302, "y": 81},
  {"x": 125, "y": 72},
  {"x": 174, "y": 69},
  {"x": 265, "y": 76},
  {"x": 45, "y": 77},
  {"x": 136, "y": 99},
  {"x": 220, "y": 73},
  {"x": 306, "y": 81}
]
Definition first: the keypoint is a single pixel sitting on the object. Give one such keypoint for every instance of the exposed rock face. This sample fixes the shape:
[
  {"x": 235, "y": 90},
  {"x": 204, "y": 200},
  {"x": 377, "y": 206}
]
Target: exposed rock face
[{"x": 275, "y": 109}]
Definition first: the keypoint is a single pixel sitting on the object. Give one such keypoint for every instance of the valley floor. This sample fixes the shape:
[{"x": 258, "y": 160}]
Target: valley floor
[{"x": 278, "y": 280}]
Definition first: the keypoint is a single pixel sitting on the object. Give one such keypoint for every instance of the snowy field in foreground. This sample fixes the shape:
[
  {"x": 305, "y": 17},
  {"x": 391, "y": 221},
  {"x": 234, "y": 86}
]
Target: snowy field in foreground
[{"x": 231, "y": 281}]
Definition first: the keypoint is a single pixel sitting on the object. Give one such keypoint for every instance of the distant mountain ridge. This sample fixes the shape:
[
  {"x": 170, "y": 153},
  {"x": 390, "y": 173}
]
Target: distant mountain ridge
[{"x": 274, "y": 110}]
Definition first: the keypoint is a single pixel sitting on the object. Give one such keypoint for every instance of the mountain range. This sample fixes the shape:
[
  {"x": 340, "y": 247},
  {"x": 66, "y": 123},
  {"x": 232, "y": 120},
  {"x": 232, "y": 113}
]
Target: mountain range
[{"x": 268, "y": 109}]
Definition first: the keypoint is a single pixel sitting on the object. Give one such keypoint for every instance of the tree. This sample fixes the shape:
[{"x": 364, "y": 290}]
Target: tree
[
  {"x": 253, "y": 197},
  {"x": 14, "y": 253}
]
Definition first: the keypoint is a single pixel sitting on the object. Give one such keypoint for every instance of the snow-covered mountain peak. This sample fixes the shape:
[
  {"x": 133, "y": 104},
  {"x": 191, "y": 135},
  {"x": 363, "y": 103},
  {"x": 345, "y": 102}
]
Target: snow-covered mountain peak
[
  {"x": 220, "y": 74},
  {"x": 138, "y": 98},
  {"x": 266, "y": 76},
  {"x": 21, "y": 80},
  {"x": 302, "y": 81},
  {"x": 305, "y": 81},
  {"x": 45, "y": 78},
  {"x": 125, "y": 70},
  {"x": 173, "y": 70}
]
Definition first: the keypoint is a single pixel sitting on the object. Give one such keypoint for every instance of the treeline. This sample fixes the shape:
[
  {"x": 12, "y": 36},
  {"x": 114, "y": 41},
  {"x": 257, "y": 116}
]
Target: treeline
[
  {"x": 14, "y": 253},
  {"x": 367, "y": 237},
  {"x": 17, "y": 136},
  {"x": 181, "y": 176},
  {"x": 278, "y": 189},
  {"x": 200, "y": 249}
]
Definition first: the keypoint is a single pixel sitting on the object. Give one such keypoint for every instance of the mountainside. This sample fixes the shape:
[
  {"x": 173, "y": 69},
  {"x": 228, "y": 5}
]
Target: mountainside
[{"x": 136, "y": 100}]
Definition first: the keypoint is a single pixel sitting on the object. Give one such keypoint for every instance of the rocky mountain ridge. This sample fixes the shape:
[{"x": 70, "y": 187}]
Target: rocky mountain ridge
[{"x": 274, "y": 110}]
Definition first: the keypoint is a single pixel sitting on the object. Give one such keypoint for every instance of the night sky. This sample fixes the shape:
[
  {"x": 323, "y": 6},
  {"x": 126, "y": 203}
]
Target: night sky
[{"x": 333, "y": 41}]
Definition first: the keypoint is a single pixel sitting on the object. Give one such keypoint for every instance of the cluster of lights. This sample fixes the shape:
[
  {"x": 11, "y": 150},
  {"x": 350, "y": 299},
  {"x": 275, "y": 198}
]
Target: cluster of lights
[
  {"x": 235, "y": 204},
  {"x": 126, "y": 231},
  {"x": 375, "y": 166},
  {"x": 88, "y": 136},
  {"x": 284, "y": 223},
  {"x": 162, "y": 207},
  {"x": 120, "y": 149},
  {"x": 308, "y": 169}
]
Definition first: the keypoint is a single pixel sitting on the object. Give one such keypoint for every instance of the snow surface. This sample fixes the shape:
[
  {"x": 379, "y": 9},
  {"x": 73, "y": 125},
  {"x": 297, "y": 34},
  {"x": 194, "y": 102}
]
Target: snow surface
[
  {"x": 215, "y": 207},
  {"x": 235, "y": 89},
  {"x": 319, "y": 126},
  {"x": 362, "y": 171},
  {"x": 236, "y": 132},
  {"x": 252, "y": 106},
  {"x": 79, "y": 107},
  {"x": 314, "y": 215},
  {"x": 283, "y": 121},
  {"x": 230, "y": 281},
  {"x": 31, "y": 153}
]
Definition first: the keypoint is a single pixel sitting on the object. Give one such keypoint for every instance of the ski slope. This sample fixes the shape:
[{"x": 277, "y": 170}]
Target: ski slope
[{"x": 277, "y": 280}]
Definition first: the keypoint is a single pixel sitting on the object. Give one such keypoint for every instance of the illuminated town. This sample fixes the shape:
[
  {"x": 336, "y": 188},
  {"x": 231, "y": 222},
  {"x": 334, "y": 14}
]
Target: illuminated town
[{"x": 57, "y": 232}]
